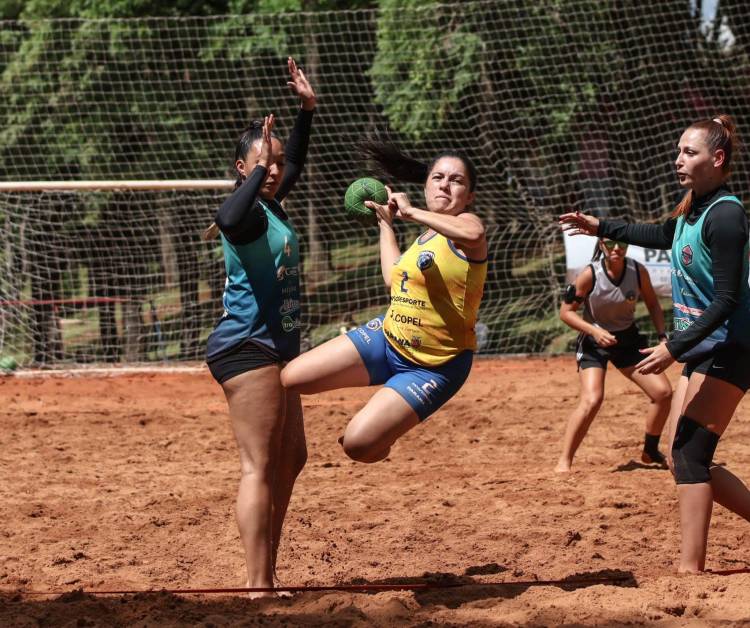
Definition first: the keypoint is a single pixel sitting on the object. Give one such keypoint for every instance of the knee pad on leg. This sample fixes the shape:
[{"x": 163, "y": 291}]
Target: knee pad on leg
[{"x": 692, "y": 451}]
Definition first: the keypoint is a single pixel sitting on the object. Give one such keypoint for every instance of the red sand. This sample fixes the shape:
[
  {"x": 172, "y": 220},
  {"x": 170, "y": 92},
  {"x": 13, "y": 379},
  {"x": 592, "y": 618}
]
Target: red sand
[{"x": 128, "y": 483}]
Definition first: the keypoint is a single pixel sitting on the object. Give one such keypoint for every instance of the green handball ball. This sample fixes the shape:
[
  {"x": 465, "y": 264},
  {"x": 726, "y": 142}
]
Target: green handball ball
[
  {"x": 7, "y": 364},
  {"x": 365, "y": 189}
]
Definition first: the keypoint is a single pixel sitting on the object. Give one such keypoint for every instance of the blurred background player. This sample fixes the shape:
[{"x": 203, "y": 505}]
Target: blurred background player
[
  {"x": 609, "y": 288},
  {"x": 422, "y": 350},
  {"x": 708, "y": 235},
  {"x": 260, "y": 329}
]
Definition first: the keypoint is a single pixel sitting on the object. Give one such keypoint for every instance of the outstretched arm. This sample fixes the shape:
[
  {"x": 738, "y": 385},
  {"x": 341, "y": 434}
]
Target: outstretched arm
[
  {"x": 299, "y": 139},
  {"x": 643, "y": 234}
]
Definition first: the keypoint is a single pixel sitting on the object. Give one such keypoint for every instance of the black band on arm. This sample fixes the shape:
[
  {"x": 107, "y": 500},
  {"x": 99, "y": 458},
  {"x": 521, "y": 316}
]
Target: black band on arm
[{"x": 569, "y": 296}]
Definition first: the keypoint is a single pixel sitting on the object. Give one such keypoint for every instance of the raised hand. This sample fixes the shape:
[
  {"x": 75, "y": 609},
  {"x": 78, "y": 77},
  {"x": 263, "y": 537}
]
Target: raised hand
[
  {"x": 264, "y": 159},
  {"x": 300, "y": 85},
  {"x": 384, "y": 213},
  {"x": 576, "y": 223}
]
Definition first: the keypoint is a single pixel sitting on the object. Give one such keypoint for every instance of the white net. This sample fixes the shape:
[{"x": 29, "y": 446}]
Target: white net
[{"x": 574, "y": 104}]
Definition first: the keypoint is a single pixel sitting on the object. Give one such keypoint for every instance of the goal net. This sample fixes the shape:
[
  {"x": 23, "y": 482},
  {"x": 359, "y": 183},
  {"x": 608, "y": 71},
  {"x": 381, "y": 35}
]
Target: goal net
[{"x": 563, "y": 105}]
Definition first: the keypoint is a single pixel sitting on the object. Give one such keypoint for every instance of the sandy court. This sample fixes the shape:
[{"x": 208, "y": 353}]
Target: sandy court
[{"x": 128, "y": 482}]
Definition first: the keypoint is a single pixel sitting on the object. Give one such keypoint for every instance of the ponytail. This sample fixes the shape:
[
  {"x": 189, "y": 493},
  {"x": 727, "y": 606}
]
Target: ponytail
[{"x": 392, "y": 161}]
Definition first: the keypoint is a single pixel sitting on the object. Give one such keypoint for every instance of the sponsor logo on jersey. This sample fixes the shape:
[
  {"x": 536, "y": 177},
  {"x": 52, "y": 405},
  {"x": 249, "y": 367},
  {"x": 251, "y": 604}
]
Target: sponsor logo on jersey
[
  {"x": 678, "y": 273},
  {"x": 408, "y": 301},
  {"x": 374, "y": 324},
  {"x": 289, "y": 324},
  {"x": 425, "y": 259},
  {"x": 406, "y": 320},
  {"x": 402, "y": 342},
  {"x": 288, "y": 306},
  {"x": 286, "y": 271},
  {"x": 686, "y": 255},
  {"x": 686, "y": 309}
]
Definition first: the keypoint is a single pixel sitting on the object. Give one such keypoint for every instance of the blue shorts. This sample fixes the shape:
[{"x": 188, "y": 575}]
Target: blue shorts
[{"x": 424, "y": 389}]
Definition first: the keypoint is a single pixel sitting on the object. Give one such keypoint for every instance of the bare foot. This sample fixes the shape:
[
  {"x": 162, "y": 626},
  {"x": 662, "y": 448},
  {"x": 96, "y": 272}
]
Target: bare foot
[
  {"x": 685, "y": 571},
  {"x": 256, "y": 595},
  {"x": 563, "y": 466}
]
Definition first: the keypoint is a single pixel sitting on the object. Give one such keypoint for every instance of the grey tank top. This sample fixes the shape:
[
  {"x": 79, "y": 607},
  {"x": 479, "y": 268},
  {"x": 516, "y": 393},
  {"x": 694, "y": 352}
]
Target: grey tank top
[{"x": 611, "y": 305}]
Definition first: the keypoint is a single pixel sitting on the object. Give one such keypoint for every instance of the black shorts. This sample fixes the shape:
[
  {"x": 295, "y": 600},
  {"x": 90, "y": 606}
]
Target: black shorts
[
  {"x": 624, "y": 354},
  {"x": 730, "y": 363},
  {"x": 245, "y": 357}
]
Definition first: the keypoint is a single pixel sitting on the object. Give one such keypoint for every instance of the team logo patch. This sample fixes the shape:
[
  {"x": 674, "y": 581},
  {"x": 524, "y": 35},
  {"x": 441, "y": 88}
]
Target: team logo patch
[
  {"x": 630, "y": 296},
  {"x": 425, "y": 260},
  {"x": 681, "y": 324},
  {"x": 374, "y": 324},
  {"x": 687, "y": 255}
]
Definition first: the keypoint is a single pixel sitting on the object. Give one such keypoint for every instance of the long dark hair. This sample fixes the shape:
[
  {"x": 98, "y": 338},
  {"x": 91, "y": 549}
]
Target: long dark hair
[
  {"x": 392, "y": 161},
  {"x": 721, "y": 133}
]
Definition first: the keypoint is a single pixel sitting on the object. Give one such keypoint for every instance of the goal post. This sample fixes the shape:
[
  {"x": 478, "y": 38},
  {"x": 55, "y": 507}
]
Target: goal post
[{"x": 108, "y": 271}]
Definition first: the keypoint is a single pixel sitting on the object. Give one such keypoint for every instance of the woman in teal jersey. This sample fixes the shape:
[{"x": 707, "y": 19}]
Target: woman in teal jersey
[
  {"x": 259, "y": 330},
  {"x": 708, "y": 236}
]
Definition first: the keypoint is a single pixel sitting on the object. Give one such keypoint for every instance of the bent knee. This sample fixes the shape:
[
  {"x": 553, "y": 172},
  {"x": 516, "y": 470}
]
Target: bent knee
[
  {"x": 662, "y": 395},
  {"x": 360, "y": 451}
]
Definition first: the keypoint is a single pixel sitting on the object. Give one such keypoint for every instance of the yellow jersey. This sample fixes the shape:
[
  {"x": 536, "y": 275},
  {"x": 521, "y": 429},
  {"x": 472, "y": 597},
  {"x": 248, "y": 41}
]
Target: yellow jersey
[{"x": 435, "y": 297}]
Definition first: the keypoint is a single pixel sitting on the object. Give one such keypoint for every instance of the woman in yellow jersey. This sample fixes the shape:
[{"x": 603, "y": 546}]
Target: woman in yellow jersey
[{"x": 422, "y": 349}]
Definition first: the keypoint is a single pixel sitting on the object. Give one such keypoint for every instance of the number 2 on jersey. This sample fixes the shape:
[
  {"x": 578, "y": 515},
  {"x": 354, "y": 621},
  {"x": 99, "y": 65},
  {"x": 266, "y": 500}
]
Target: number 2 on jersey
[{"x": 405, "y": 278}]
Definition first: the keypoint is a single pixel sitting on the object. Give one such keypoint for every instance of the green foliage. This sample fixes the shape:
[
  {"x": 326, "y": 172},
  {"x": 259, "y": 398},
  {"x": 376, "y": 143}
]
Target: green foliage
[{"x": 426, "y": 59}]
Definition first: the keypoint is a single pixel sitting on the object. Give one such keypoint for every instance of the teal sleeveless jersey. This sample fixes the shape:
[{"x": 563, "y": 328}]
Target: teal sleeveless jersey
[
  {"x": 693, "y": 287},
  {"x": 261, "y": 295}
]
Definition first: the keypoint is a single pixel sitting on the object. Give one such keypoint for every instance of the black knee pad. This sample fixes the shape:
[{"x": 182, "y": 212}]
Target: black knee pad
[{"x": 692, "y": 451}]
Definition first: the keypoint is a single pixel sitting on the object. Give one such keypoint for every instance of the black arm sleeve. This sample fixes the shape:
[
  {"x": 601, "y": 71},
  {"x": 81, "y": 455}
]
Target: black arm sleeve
[
  {"x": 650, "y": 236},
  {"x": 295, "y": 152},
  {"x": 725, "y": 231},
  {"x": 240, "y": 218}
]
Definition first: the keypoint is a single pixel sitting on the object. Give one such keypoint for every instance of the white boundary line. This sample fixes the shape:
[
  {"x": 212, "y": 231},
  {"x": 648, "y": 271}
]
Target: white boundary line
[{"x": 107, "y": 372}]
